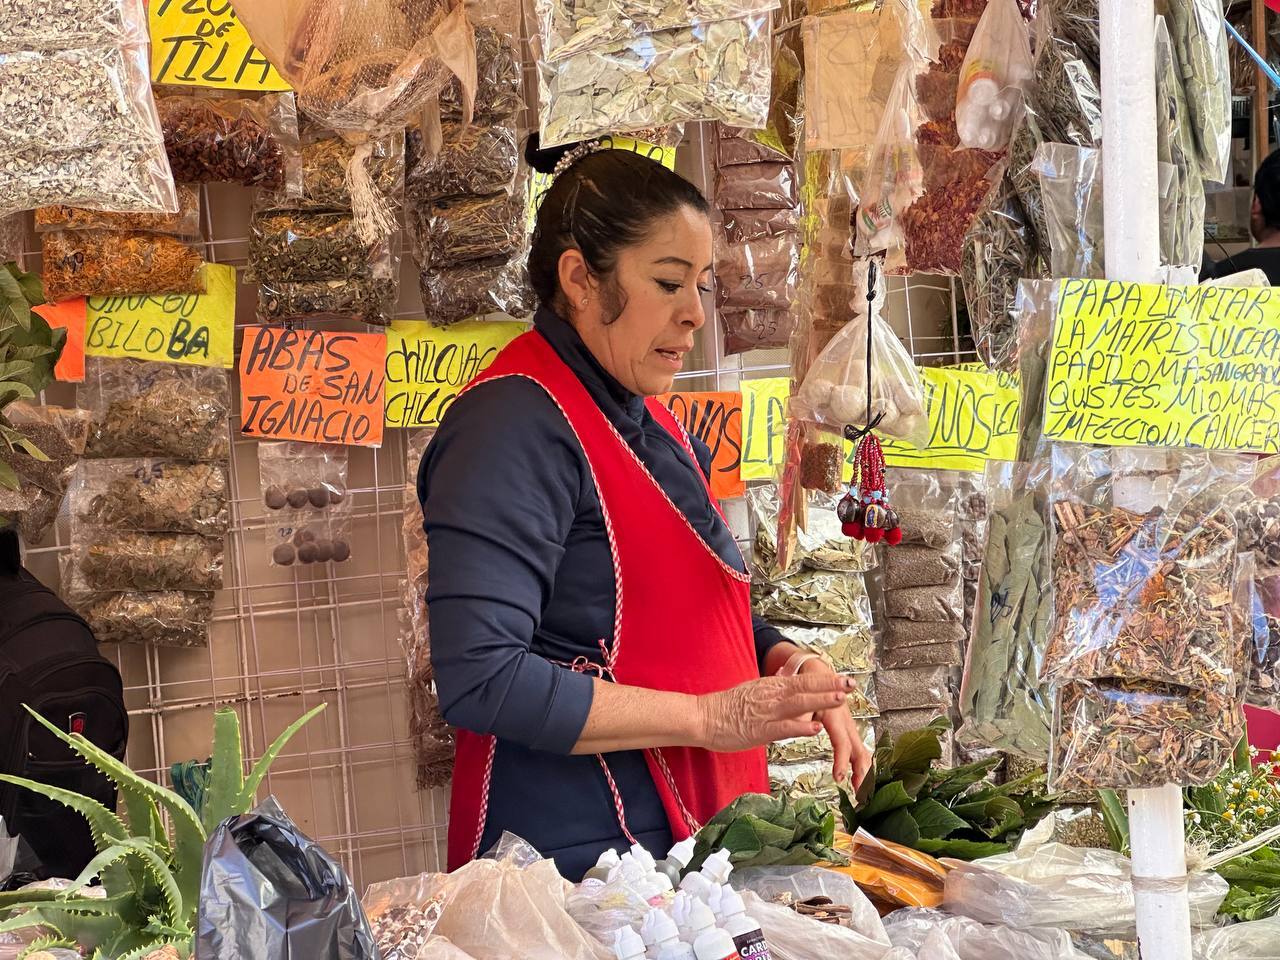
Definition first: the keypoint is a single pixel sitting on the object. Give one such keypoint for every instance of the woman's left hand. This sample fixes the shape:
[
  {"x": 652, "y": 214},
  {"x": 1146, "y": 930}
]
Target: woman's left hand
[{"x": 851, "y": 754}]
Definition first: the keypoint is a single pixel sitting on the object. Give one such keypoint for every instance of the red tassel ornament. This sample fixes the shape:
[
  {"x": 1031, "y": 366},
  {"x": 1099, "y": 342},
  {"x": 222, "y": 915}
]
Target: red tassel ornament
[{"x": 864, "y": 511}]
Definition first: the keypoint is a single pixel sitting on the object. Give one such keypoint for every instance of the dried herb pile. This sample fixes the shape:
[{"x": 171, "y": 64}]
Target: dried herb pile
[
  {"x": 251, "y": 142},
  {"x": 467, "y": 210},
  {"x": 135, "y": 405},
  {"x": 60, "y": 434},
  {"x": 184, "y": 223}
]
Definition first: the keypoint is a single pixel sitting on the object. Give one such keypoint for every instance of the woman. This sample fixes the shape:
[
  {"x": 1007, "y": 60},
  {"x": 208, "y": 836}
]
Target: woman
[{"x": 591, "y": 630}]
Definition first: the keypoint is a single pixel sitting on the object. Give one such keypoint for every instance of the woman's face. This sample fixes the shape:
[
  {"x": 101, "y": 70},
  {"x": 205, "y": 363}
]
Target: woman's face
[{"x": 658, "y": 285}]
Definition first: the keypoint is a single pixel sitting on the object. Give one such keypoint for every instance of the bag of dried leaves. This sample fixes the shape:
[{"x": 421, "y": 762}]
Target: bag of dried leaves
[
  {"x": 153, "y": 495},
  {"x": 289, "y": 246}
]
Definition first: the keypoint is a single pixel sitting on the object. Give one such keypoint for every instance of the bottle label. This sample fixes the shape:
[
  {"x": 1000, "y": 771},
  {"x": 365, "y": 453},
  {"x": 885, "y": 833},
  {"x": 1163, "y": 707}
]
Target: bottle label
[{"x": 752, "y": 946}]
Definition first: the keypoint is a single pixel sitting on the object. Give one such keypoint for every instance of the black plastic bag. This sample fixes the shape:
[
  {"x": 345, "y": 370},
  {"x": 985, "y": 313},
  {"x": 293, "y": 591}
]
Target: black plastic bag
[{"x": 269, "y": 892}]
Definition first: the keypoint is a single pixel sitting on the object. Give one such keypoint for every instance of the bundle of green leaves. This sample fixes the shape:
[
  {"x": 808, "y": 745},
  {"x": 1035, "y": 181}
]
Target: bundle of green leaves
[
  {"x": 946, "y": 812},
  {"x": 764, "y": 831},
  {"x": 29, "y": 350}
]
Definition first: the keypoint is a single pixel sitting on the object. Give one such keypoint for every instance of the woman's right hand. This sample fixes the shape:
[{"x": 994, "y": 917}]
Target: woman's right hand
[{"x": 762, "y": 711}]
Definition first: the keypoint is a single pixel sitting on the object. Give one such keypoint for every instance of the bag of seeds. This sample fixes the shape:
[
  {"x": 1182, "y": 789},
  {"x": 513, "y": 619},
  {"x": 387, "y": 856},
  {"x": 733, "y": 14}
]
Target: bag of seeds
[
  {"x": 215, "y": 140},
  {"x": 478, "y": 289},
  {"x": 136, "y": 403},
  {"x": 166, "y": 618},
  {"x": 1002, "y": 699},
  {"x": 110, "y": 561},
  {"x": 61, "y": 435},
  {"x": 1201, "y": 42},
  {"x": 302, "y": 476},
  {"x": 747, "y": 330},
  {"x": 472, "y": 160},
  {"x": 1144, "y": 551},
  {"x": 761, "y": 275},
  {"x": 915, "y": 688},
  {"x": 307, "y": 536},
  {"x": 153, "y": 495},
  {"x": 325, "y": 158},
  {"x": 900, "y": 633},
  {"x": 290, "y": 246},
  {"x": 184, "y": 223},
  {"x": 920, "y": 566},
  {"x": 713, "y": 71},
  {"x": 94, "y": 263},
  {"x": 80, "y": 124}
]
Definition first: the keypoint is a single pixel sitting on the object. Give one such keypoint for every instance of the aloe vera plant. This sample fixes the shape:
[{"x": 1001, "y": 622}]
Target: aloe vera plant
[{"x": 150, "y": 875}]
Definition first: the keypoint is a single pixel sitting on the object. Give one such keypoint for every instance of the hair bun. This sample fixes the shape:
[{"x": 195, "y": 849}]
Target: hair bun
[{"x": 544, "y": 161}]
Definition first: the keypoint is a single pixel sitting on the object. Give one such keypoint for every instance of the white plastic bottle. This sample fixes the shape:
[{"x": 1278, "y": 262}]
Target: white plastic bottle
[
  {"x": 714, "y": 899},
  {"x": 608, "y": 860},
  {"x": 642, "y": 856},
  {"x": 649, "y": 929},
  {"x": 748, "y": 938},
  {"x": 714, "y": 873},
  {"x": 680, "y": 914},
  {"x": 677, "y": 860},
  {"x": 628, "y": 945},
  {"x": 666, "y": 938},
  {"x": 710, "y": 942}
]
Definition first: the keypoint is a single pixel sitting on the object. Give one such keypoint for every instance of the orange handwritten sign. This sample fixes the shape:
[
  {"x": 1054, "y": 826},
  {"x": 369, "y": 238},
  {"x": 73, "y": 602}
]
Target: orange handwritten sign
[
  {"x": 68, "y": 315},
  {"x": 313, "y": 386},
  {"x": 716, "y": 420}
]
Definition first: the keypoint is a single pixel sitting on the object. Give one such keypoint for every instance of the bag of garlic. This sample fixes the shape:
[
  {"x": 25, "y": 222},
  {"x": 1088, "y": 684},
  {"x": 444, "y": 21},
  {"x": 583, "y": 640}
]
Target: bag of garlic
[{"x": 835, "y": 390}]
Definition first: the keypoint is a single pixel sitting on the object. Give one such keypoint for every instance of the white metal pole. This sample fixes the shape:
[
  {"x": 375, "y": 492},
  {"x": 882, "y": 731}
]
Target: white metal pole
[{"x": 1132, "y": 233}]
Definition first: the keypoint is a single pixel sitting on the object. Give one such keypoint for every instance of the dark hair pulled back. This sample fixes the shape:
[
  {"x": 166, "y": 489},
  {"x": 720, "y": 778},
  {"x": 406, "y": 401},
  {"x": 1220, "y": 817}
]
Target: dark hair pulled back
[
  {"x": 603, "y": 203},
  {"x": 1266, "y": 184}
]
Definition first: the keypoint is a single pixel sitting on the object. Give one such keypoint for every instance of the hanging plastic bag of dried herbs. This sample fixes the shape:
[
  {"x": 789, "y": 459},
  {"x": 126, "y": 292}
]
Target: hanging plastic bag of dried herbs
[
  {"x": 1182, "y": 234},
  {"x": 96, "y": 263},
  {"x": 363, "y": 68},
  {"x": 476, "y": 289},
  {"x": 61, "y": 435},
  {"x": 472, "y": 160},
  {"x": 80, "y": 124},
  {"x": 166, "y": 618},
  {"x": 1201, "y": 42},
  {"x": 289, "y": 246},
  {"x": 184, "y": 223},
  {"x": 325, "y": 159},
  {"x": 250, "y": 142},
  {"x": 370, "y": 300},
  {"x": 135, "y": 404},
  {"x": 153, "y": 495},
  {"x": 111, "y": 561}
]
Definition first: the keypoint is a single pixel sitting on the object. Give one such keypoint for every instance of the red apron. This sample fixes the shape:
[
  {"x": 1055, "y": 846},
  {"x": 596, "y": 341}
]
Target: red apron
[{"x": 682, "y": 621}]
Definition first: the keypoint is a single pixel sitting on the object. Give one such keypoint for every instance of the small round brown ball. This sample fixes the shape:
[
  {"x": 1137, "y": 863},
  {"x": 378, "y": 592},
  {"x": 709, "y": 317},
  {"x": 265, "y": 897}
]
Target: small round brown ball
[
  {"x": 297, "y": 498},
  {"x": 307, "y": 553},
  {"x": 303, "y": 536},
  {"x": 283, "y": 555},
  {"x": 319, "y": 497},
  {"x": 336, "y": 496},
  {"x": 324, "y": 551},
  {"x": 275, "y": 498},
  {"x": 341, "y": 551}
]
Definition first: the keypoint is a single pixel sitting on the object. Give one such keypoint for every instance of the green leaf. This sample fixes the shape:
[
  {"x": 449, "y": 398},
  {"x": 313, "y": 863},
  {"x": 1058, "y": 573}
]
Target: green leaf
[
  {"x": 223, "y": 798},
  {"x": 105, "y": 827},
  {"x": 935, "y": 821},
  {"x": 15, "y": 305},
  {"x": 892, "y": 796},
  {"x": 1116, "y": 819},
  {"x": 949, "y": 784},
  {"x": 32, "y": 287},
  {"x": 8, "y": 478},
  {"x": 1003, "y": 815},
  {"x": 259, "y": 772},
  {"x": 897, "y": 827},
  {"x": 46, "y": 943},
  {"x": 916, "y": 750},
  {"x": 962, "y": 849}
]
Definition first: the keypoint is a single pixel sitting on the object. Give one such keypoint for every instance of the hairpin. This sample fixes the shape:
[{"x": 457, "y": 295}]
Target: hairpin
[{"x": 584, "y": 149}]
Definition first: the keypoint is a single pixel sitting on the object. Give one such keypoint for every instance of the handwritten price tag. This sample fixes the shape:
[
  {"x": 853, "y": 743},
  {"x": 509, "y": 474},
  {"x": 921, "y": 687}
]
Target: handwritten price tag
[
  {"x": 201, "y": 43},
  {"x": 716, "y": 420},
  {"x": 198, "y": 329},
  {"x": 427, "y": 367},
  {"x": 1148, "y": 365},
  {"x": 313, "y": 386}
]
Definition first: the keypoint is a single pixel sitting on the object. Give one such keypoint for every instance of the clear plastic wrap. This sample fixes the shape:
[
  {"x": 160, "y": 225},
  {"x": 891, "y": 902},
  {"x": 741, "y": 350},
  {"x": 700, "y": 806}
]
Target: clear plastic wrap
[
  {"x": 290, "y": 246},
  {"x": 109, "y": 561},
  {"x": 302, "y": 476},
  {"x": 914, "y": 688},
  {"x": 835, "y": 389},
  {"x": 999, "y": 250},
  {"x": 1182, "y": 234},
  {"x": 746, "y": 330},
  {"x": 476, "y": 290},
  {"x": 1241, "y": 941},
  {"x": 92, "y": 263},
  {"x": 713, "y": 71},
  {"x": 773, "y": 895},
  {"x": 472, "y": 160},
  {"x": 1148, "y": 594},
  {"x": 744, "y": 226},
  {"x": 363, "y": 68},
  {"x": 153, "y": 496},
  {"x": 1077, "y": 20},
  {"x": 1201, "y": 41},
  {"x": 61, "y": 435},
  {"x": 920, "y": 566},
  {"x": 403, "y": 915},
  {"x": 931, "y": 930},
  {"x": 1066, "y": 93},
  {"x": 524, "y": 907},
  {"x": 80, "y": 126},
  {"x": 894, "y": 180},
  {"x": 821, "y": 545},
  {"x": 849, "y": 649},
  {"x": 454, "y": 232},
  {"x": 760, "y": 275},
  {"x": 13, "y": 237},
  {"x": 1055, "y": 887},
  {"x": 306, "y": 536},
  {"x": 135, "y": 404},
  {"x": 184, "y": 223},
  {"x": 370, "y": 300},
  {"x": 1002, "y": 699},
  {"x": 943, "y": 654},
  {"x": 325, "y": 158},
  {"x": 499, "y": 87},
  {"x": 836, "y": 599},
  {"x": 901, "y": 633},
  {"x": 997, "y": 69},
  {"x": 250, "y": 142},
  {"x": 168, "y": 618},
  {"x": 757, "y": 186},
  {"x": 1030, "y": 130}
]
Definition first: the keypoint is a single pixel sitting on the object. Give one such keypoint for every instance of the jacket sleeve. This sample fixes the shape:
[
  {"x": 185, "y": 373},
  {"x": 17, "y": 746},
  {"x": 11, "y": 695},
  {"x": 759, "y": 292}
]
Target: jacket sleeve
[
  {"x": 499, "y": 487},
  {"x": 766, "y": 637}
]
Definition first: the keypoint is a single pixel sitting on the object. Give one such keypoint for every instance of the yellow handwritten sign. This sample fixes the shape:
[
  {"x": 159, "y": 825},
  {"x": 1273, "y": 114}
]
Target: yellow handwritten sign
[
  {"x": 198, "y": 329},
  {"x": 973, "y": 418},
  {"x": 540, "y": 183},
  {"x": 201, "y": 43},
  {"x": 1149, "y": 365},
  {"x": 764, "y": 426},
  {"x": 427, "y": 367}
]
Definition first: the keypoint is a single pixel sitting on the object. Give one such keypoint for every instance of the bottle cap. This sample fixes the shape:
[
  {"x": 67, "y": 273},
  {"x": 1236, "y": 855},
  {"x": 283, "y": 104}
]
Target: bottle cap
[
  {"x": 682, "y": 852},
  {"x": 643, "y": 856},
  {"x": 663, "y": 928},
  {"x": 717, "y": 868},
  {"x": 713, "y": 901},
  {"x": 608, "y": 859},
  {"x": 628, "y": 945},
  {"x": 731, "y": 902},
  {"x": 701, "y": 919}
]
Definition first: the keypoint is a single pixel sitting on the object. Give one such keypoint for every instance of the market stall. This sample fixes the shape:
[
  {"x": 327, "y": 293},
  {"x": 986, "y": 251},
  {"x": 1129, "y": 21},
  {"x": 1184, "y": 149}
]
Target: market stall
[{"x": 993, "y": 456}]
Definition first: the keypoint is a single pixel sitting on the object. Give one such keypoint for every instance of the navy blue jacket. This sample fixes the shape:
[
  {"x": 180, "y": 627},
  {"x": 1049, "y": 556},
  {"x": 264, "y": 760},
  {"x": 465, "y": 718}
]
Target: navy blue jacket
[{"x": 521, "y": 576}]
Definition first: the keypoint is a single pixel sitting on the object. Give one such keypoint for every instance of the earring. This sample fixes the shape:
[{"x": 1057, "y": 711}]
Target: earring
[{"x": 585, "y": 301}]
